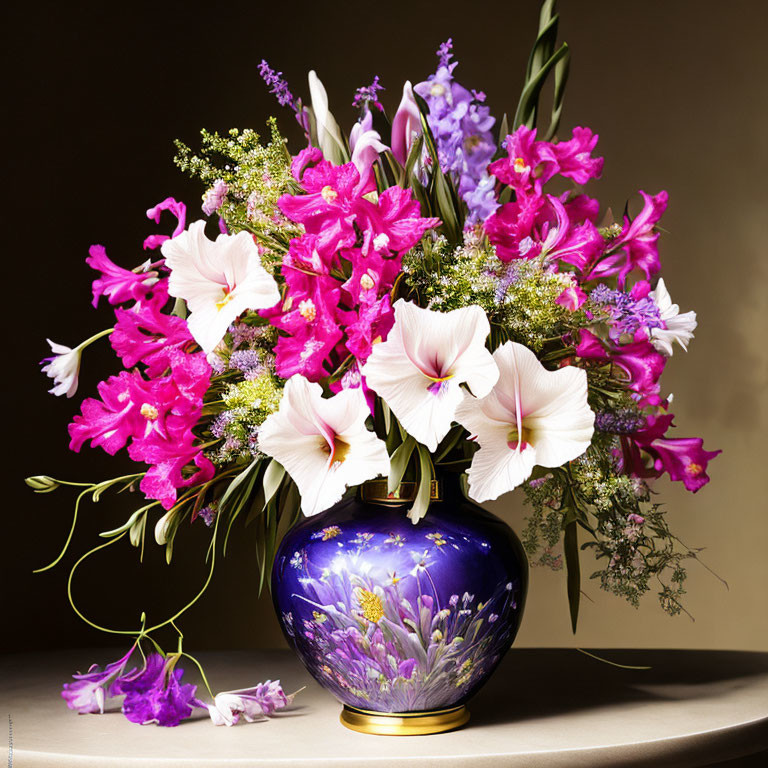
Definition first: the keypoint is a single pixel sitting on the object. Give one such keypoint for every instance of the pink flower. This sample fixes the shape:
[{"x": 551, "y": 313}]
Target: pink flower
[
  {"x": 571, "y": 298},
  {"x": 214, "y": 197},
  {"x": 406, "y": 125},
  {"x": 642, "y": 364},
  {"x": 179, "y": 210},
  {"x": 530, "y": 164},
  {"x": 534, "y": 226},
  {"x": 145, "y": 334},
  {"x": 118, "y": 285},
  {"x": 157, "y": 416},
  {"x": 110, "y": 421},
  {"x": 683, "y": 458},
  {"x": 635, "y": 248},
  {"x": 168, "y": 458}
]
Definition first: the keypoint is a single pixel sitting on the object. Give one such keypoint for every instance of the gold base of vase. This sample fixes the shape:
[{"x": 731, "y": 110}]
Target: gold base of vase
[{"x": 404, "y": 723}]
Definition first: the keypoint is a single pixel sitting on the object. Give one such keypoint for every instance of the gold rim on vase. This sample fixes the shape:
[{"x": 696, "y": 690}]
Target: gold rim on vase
[{"x": 404, "y": 723}]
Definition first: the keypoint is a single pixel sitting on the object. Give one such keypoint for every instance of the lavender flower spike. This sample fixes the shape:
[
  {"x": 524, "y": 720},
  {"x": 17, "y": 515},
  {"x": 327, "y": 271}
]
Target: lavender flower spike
[{"x": 368, "y": 94}]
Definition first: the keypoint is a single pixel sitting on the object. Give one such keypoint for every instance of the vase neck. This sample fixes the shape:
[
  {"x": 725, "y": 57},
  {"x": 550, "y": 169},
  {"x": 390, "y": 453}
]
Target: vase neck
[{"x": 376, "y": 491}]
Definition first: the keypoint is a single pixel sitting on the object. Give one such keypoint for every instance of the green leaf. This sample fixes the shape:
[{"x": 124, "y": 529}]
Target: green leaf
[
  {"x": 526, "y": 108},
  {"x": 273, "y": 477},
  {"x": 412, "y": 159},
  {"x": 449, "y": 443},
  {"x": 180, "y": 309},
  {"x": 424, "y": 494},
  {"x": 238, "y": 481},
  {"x": 398, "y": 463},
  {"x": 571, "y": 551},
  {"x": 561, "y": 79}
]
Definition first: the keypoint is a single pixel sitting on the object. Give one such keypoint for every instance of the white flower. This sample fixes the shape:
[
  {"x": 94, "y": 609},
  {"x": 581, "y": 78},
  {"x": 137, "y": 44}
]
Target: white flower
[
  {"x": 677, "y": 327},
  {"x": 366, "y": 146},
  {"x": 218, "y": 279},
  {"x": 328, "y": 133},
  {"x": 323, "y": 443},
  {"x": 253, "y": 704},
  {"x": 63, "y": 368},
  {"x": 532, "y": 416},
  {"x": 418, "y": 370}
]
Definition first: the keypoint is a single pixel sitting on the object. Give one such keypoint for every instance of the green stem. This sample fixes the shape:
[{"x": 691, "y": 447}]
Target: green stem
[
  {"x": 71, "y": 531},
  {"x": 96, "y": 336}
]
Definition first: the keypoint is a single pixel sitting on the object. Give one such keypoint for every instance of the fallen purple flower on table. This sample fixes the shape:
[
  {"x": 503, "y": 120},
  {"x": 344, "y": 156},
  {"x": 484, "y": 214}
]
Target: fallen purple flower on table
[
  {"x": 86, "y": 694},
  {"x": 253, "y": 704}
]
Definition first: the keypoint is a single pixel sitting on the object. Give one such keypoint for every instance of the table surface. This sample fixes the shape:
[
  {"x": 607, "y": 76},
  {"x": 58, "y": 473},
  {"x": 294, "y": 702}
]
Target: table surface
[{"x": 548, "y": 707}]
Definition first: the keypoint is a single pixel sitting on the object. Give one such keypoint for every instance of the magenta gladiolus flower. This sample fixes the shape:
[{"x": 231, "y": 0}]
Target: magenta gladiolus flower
[
  {"x": 642, "y": 364},
  {"x": 327, "y": 319},
  {"x": 530, "y": 164},
  {"x": 682, "y": 458},
  {"x": 179, "y": 210},
  {"x": 157, "y": 416},
  {"x": 118, "y": 285},
  {"x": 635, "y": 248},
  {"x": 145, "y": 334}
]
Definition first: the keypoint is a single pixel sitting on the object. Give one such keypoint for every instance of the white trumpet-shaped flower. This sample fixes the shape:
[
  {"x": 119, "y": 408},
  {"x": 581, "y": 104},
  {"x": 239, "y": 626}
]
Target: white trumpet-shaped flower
[
  {"x": 323, "y": 443},
  {"x": 63, "y": 368},
  {"x": 419, "y": 369},
  {"x": 219, "y": 279},
  {"x": 328, "y": 132},
  {"x": 678, "y": 326},
  {"x": 531, "y": 417}
]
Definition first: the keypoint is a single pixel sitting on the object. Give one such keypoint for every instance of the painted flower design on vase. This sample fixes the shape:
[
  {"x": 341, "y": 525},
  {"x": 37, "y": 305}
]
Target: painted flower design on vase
[{"x": 393, "y": 617}]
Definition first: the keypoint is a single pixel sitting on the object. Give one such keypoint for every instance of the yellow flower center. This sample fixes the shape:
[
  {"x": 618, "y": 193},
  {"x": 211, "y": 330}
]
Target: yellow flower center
[
  {"x": 338, "y": 451},
  {"x": 437, "y": 89},
  {"x": 370, "y": 604},
  {"x": 517, "y": 439},
  {"x": 694, "y": 469},
  {"x": 520, "y": 165},
  {"x": 366, "y": 282},
  {"x": 228, "y": 295},
  {"x": 328, "y": 193},
  {"x": 149, "y": 412},
  {"x": 307, "y": 310}
]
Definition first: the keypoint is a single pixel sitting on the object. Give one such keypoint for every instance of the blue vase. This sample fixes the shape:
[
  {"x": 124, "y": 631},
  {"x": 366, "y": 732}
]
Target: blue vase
[{"x": 402, "y": 623}]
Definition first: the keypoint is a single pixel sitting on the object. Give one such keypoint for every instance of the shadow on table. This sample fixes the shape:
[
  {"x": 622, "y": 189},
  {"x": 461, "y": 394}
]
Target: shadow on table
[{"x": 522, "y": 687}]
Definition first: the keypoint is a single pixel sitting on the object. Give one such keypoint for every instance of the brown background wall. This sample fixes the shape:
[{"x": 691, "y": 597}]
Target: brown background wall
[{"x": 676, "y": 91}]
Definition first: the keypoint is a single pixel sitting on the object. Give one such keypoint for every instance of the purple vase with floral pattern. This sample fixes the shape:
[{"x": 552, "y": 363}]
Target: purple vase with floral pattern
[{"x": 401, "y": 622}]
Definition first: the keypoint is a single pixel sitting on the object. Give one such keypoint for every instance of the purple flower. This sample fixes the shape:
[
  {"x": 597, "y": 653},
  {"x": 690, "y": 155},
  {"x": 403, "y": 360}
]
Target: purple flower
[
  {"x": 155, "y": 694},
  {"x": 276, "y": 84},
  {"x": 632, "y": 315},
  {"x": 279, "y": 87},
  {"x": 368, "y": 94},
  {"x": 461, "y": 124},
  {"x": 86, "y": 694}
]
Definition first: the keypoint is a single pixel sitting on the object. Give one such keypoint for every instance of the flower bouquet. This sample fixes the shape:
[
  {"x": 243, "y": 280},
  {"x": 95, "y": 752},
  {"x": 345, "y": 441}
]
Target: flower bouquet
[{"x": 427, "y": 295}]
